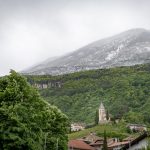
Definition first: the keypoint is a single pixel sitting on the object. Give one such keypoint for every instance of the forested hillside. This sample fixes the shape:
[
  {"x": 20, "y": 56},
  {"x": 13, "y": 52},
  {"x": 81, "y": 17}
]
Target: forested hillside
[{"x": 125, "y": 92}]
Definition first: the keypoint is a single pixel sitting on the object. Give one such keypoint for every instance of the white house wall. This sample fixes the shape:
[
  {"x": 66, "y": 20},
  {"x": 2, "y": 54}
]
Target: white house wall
[{"x": 142, "y": 144}]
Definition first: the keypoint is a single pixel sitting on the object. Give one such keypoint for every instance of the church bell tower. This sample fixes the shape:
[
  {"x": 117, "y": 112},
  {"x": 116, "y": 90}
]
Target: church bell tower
[{"x": 102, "y": 114}]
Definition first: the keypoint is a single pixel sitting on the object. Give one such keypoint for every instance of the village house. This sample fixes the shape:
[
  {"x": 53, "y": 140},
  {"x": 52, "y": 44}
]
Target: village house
[
  {"x": 137, "y": 127},
  {"x": 129, "y": 138},
  {"x": 117, "y": 145},
  {"x": 96, "y": 143},
  {"x": 92, "y": 137},
  {"x": 77, "y": 127},
  {"x": 138, "y": 143},
  {"x": 130, "y": 143},
  {"x": 79, "y": 145}
]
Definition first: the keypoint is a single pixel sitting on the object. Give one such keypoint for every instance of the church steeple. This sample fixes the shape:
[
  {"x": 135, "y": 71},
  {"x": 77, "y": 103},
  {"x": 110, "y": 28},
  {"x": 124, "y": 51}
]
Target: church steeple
[
  {"x": 102, "y": 114},
  {"x": 101, "y": 106}
]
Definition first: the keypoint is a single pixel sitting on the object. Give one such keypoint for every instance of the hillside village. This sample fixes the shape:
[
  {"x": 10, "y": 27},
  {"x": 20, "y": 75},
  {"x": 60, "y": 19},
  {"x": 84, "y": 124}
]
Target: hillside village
[{"x": 94, "y": 142}]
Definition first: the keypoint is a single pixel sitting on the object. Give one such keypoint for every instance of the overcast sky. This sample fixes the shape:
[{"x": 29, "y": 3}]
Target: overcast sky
[{"x": 34, "y": 30}]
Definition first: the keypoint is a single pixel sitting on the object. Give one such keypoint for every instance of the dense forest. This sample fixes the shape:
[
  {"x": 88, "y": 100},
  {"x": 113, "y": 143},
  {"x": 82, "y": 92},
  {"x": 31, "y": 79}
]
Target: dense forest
[{"x": 125, "y": 92}]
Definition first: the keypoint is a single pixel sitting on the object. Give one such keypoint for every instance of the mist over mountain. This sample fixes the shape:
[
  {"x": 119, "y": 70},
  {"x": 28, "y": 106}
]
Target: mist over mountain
[{"x": 125, "y": 49}]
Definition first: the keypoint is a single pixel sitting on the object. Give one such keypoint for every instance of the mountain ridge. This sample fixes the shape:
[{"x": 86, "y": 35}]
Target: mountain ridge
[{"x": 125, "y": 49}]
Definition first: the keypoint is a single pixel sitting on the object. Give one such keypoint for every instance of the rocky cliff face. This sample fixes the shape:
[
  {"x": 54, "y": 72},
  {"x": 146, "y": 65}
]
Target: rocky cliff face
[
  {"x": 50, "y": 84},
  {"x": 125, "y": 49}
]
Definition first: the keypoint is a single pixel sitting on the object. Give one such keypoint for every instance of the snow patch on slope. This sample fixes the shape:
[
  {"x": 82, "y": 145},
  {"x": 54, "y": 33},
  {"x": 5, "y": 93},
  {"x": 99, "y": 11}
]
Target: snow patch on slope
[{"x": 113, "y": 54}]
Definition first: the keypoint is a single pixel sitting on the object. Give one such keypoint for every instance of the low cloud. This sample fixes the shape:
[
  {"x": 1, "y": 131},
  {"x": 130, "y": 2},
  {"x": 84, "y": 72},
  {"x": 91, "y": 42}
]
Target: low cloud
[{"x": 33, "y": 30}]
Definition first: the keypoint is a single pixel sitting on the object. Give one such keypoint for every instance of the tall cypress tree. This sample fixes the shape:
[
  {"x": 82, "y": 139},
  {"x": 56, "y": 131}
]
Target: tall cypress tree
[
  {"x": 105, "y": 141},
  {"x": 107, "y": 115},
  {"x": 97, "y": 117}
]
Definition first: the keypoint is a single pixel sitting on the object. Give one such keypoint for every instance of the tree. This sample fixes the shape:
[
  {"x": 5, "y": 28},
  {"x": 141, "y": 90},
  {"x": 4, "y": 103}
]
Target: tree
[
  {"x": 107, "y": 115},
  {"x": 26, "y": 120},
  {"x": 105, "y": 141},
  {"x": 134, "y": 117},
  {"x": 97, "y": 117}
]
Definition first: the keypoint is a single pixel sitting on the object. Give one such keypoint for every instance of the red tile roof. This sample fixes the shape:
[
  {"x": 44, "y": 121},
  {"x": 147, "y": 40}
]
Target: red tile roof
[
  {"x": 98, "y": 143},
  {"x": 118, "y": 144},
  {"x": 79, "y": 144},
  {"x": 92, "y": 137}
]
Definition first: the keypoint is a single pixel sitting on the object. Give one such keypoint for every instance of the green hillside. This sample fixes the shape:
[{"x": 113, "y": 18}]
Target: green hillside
[
  {"x": 125, "y": 92},
  {"x": 113, "y": 131}
]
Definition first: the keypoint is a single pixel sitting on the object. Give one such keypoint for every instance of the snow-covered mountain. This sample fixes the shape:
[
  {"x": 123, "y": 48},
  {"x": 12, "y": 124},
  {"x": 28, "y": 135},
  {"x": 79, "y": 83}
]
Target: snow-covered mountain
[{"x": 125, "y": 49}]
